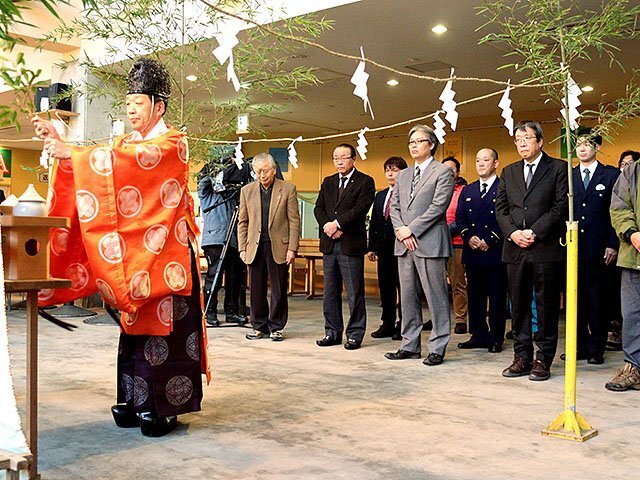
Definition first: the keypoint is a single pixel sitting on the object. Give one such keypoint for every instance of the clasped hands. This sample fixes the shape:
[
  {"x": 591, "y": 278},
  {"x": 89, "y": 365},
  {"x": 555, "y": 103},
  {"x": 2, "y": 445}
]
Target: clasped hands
[
  {"x": 332, "y": 230},
  {"x": 53, "y": 145},
  {"x": 523, "y": 238},
  {"x": 476, "y": 243},
  {"x": 406, "y": 236}
]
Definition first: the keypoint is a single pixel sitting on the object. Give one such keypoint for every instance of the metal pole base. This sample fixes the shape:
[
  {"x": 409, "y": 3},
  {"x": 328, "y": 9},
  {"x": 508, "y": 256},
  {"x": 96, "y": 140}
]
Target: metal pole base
[{"x": 570, "y": 426}]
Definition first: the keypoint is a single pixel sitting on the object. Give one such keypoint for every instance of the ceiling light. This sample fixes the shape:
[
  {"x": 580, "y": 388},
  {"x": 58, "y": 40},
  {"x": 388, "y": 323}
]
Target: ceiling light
[
  {"x": 393, "y": 82},
  {"x": 439, "y": 29},
  {"x": 191, "y": 78},
  {"x": 587, "y": 88}
]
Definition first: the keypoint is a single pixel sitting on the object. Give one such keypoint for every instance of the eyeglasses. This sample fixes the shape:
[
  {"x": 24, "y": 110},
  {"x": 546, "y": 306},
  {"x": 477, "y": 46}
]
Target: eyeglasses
[
  {"x": 525, "y": 139},
  {"x": 413, "y": 143},
  {"x": 337, "y": 159}
]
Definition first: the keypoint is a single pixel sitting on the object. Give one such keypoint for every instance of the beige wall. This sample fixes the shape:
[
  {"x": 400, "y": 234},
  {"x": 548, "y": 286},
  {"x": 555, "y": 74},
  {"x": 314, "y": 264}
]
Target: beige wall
[{"x": 475, "y": 133}]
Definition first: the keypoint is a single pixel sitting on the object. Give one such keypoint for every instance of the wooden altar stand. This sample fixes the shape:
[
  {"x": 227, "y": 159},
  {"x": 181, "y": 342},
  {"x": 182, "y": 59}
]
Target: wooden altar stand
[{"x": 25, "y": 252}]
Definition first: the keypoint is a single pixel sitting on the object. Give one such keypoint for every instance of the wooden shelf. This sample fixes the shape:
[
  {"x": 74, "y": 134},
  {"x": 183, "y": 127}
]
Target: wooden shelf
[
  {"x": 51, "y": 222},
  {"x": 12, "y": 286}
]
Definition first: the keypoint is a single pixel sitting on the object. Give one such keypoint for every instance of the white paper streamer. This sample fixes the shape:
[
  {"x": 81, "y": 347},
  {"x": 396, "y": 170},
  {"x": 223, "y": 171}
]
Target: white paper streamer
[
  {"x": 11, "y": 436},
  {"x": 227, "y": 39},
  {"x": 438, "y": 127},
  {"x": 574, "y": 102},
  {"x": 238, "y": 157},
  {"x": 362, "y": 144},
  {"x": 293, "y": 155},
  {"x": 359, "y": 79},
  {"x": 449, "y": 104},
  {"x": 507, "y": 112}
]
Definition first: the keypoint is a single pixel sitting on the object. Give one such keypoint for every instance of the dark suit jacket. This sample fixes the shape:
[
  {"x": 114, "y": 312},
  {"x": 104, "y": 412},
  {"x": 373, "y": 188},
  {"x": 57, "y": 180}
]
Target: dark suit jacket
[
  {"x": 476, "y": 216},
  {"x": 542, "y": 208},
  {"x": 351, "y": 212},
  {"x": 591, "y": 210},
  {"x": 382, "y": 237}
]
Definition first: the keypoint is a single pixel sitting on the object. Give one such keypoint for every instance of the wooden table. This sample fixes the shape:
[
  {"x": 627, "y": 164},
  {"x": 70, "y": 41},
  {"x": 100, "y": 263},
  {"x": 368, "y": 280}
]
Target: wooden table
[{"x": 31, "y": 288}]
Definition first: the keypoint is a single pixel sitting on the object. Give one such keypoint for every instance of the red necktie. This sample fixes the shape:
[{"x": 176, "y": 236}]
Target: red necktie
[{"x": 387, "y": 208}]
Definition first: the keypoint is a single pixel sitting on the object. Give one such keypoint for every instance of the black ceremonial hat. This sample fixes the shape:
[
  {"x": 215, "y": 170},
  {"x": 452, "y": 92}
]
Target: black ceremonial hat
[{"x": 150, "y": 77}]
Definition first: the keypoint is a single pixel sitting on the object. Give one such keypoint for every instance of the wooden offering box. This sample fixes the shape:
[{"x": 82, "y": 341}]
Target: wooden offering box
[{"x": 25, "y": 245}]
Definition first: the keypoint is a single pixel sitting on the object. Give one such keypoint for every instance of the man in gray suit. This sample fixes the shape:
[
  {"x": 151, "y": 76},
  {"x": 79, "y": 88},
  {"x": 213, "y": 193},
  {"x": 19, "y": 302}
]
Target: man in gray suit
[{"x": 418, "y": 205}]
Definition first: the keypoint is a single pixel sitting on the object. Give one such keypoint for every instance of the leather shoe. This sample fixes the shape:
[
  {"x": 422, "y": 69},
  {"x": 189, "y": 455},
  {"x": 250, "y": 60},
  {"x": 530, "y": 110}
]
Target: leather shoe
[
  {"x": 212, "y": 320},
  {"x": 519, "y": 368},
  {"x": 327, "y": 342},
  {"x": 235, "y": 318},
  {"x": 460, "y": 328},
  {"x": 596, "y": 359},
  {"x": 427, "y": 326},
  {"x": 382, "y": 332},
  {"x": 471, "y": 343},
  {"x": 153, "y": 426},
  {"x": 124, "y": 416},
  {"x": 539, "y": 372},
  {"x": 352, "y": 344},
  {"x": 401, "y": 355},
  {"x": 396, "y": 336},
  {"x": 495, "y": 348},
  {"x": 433, "y": 359}
]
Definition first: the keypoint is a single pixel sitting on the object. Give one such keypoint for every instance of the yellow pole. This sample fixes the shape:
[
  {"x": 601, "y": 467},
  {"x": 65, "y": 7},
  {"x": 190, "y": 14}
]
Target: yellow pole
[{"x": 570, "y": 424}]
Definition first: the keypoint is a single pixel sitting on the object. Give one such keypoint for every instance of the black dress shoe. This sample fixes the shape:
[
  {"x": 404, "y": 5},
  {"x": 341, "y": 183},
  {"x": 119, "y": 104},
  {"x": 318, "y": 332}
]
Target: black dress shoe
[
  {"x": 433, "y": 359},
  {"x": 579, "y": 356},
  {"x": 427, "y": 326},
  {"x": 397, "y": 336},
  {"x": 124, "y": 416},
  {"x": 352, "y": 344},
  {"x": 471, "y": 343},
  {"x": 235, "y": 318},
  {"x": 495, "y": 348},
  {"x": 382, "y": 332},
  {"x": 509, "y": 335},
  {"x": 153, "y": 426},
  {"x": 327, "y": 342},
  {"x": 401, "y": 355},
  {"x": 596, "y": 359},
  {"x": 212, "y": 320},
  {"x": 460, "y": 328}
]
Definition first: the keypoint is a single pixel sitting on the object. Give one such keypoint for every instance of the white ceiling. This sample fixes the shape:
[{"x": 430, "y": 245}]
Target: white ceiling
[{"x": 398, "y": 34}]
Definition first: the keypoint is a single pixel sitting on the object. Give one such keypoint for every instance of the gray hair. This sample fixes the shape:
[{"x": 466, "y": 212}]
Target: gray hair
[
  {"x": 533, "y": 125},
  {"x": 263, "y": 158},
  {"x": 428, "y": 131}
]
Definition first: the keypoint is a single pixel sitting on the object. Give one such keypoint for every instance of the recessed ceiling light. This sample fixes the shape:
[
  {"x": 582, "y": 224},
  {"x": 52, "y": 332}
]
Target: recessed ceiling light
[
  {"x": 439, "y": 29},
  {"x": 191, "y": 78},
  {"x": 587, "y": 88},
  {"x": 393, "y": 82}
]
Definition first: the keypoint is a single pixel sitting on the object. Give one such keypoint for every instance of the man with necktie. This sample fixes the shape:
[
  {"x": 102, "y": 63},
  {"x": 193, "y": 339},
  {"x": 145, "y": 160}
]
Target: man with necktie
[
  {"x": 382, "y": 242},
  {"x": 482, "y": 256},
  {"x": 341, "y": 211},
  {"x": 531, "y": 209},
  {"x": 418, "y": 206}
]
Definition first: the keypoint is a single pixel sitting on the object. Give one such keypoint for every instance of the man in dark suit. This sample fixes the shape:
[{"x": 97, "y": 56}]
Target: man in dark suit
[
  {"x": 597, "y": 246},
  {"x": 531, "y": 209},
  {"x": 482, "y": 255},
  {"x": 382, "y": 240},
  {"x": 341, "y": 211}
]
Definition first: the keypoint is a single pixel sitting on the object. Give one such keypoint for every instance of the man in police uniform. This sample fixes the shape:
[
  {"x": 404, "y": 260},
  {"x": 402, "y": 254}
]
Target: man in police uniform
[
  {"x": 481, "y": 255},
  {"x": 597, "y": 245}
]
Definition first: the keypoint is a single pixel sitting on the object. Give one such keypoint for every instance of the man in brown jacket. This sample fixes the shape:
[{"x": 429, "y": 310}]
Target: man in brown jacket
[{"x": 268, "y": 231}]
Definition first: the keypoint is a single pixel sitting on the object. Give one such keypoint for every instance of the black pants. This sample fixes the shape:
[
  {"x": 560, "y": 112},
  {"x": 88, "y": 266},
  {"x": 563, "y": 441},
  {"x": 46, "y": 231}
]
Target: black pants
[
  {"x": 264, "y": 317},
  {"x": 235, "y": 274},
  {"x": 545, "y": 278},
  {"x": 593, "y": 309},
  {"x": 350, "y": 268},
  {"x": 389, "y": 284},
  {"x": 486, "y": 283}
]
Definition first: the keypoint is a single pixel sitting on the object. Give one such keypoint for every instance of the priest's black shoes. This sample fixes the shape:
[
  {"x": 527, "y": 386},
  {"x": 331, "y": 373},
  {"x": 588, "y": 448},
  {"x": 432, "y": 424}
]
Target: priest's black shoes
[
  {"x": 153, "y": 426},
  {"x": 327, "y": 342},
  {"x": 433, "y": 359},
  {"x": 124, "y": 416},
  {"x": 472, "y": 343},
  {"x": 401, "y": 355},
  {"x": 382, "y": 332},
  {"x": 495, "y": 348}
]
